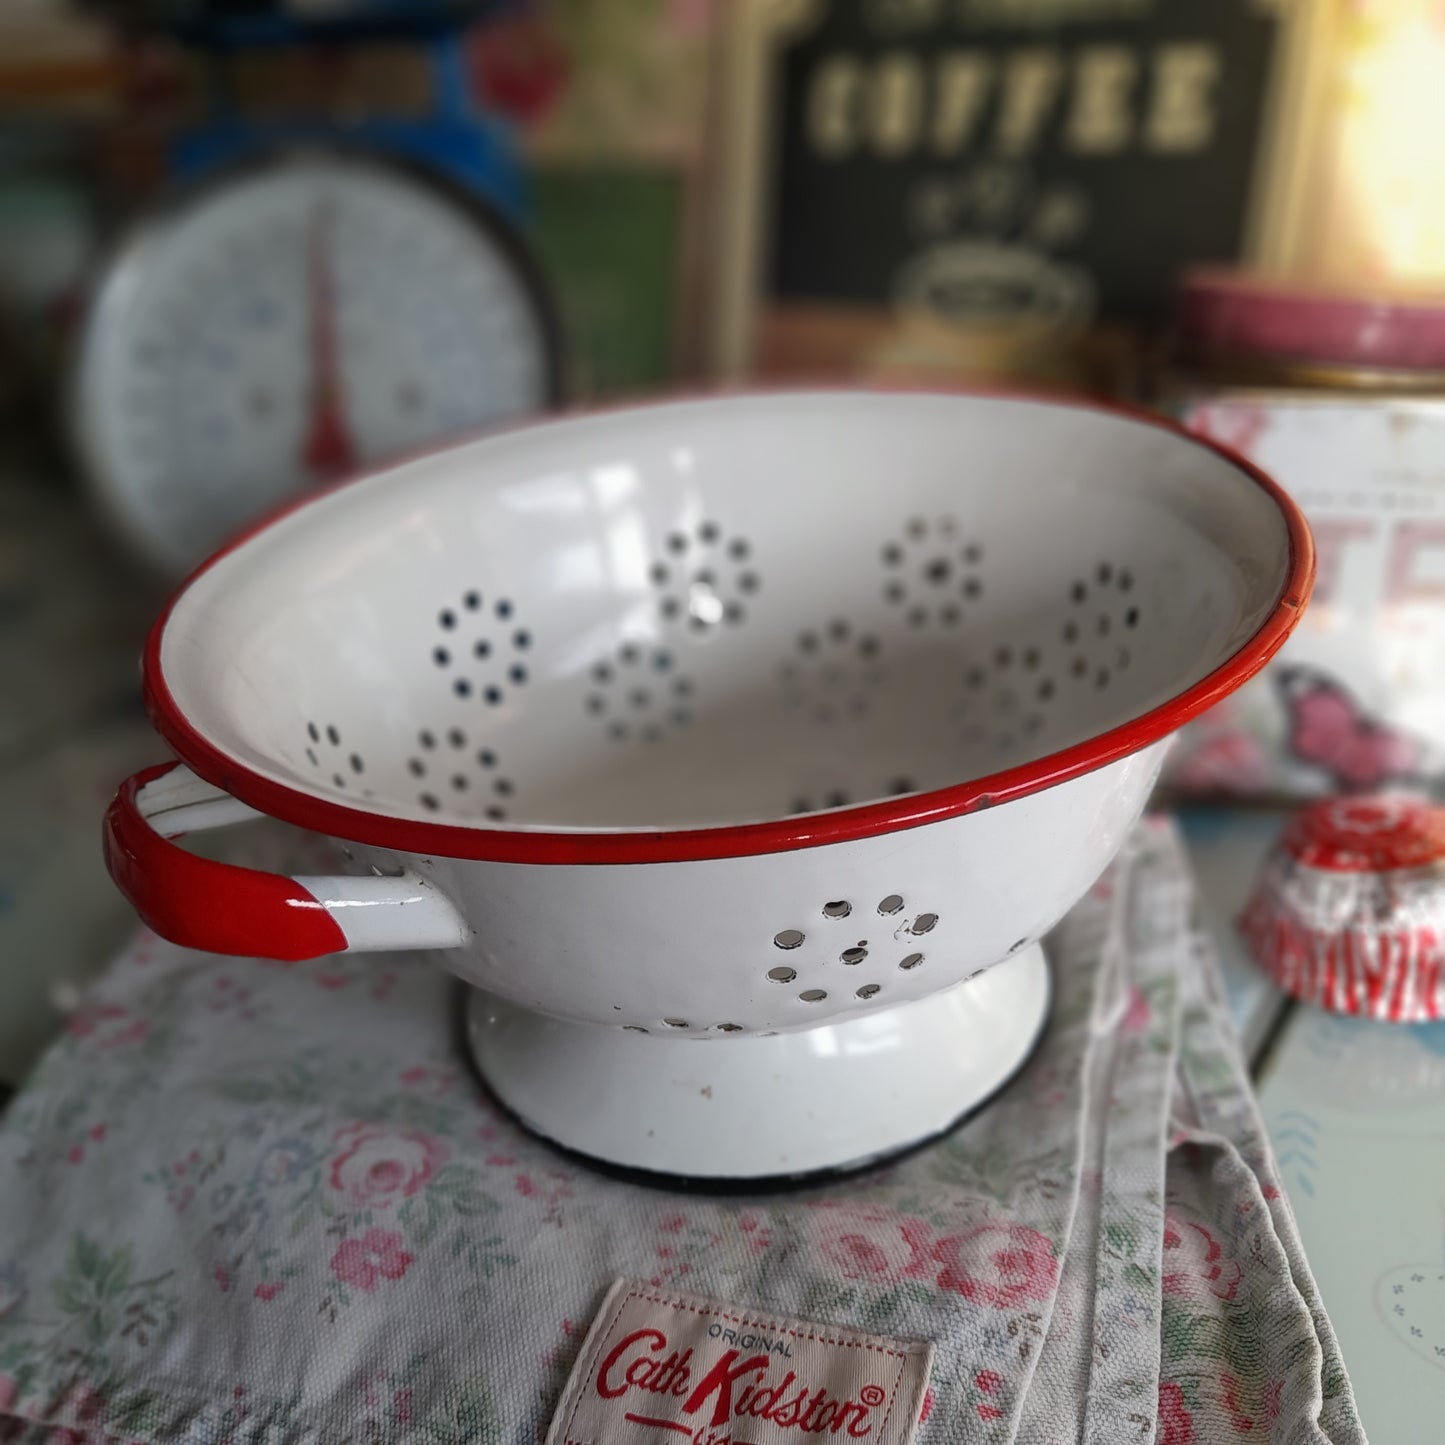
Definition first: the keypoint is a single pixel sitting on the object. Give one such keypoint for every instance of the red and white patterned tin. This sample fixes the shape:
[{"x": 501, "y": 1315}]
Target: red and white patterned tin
[{"x": 1349, "y": 912}]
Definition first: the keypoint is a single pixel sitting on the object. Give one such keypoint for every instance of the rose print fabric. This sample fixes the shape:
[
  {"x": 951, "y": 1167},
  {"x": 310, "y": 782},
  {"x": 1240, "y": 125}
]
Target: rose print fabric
[{"x": 251, "y": 1205}]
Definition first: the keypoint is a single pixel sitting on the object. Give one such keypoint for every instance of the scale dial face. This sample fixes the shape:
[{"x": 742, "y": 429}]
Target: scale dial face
[{"x": 290, "y": 324}]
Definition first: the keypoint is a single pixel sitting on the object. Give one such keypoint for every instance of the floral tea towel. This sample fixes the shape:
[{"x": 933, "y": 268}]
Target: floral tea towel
[{"x": 249, "y": 1205}]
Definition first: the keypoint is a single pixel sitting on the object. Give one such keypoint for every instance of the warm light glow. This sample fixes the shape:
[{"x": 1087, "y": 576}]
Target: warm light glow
[{"x": 1392, "y": 137}]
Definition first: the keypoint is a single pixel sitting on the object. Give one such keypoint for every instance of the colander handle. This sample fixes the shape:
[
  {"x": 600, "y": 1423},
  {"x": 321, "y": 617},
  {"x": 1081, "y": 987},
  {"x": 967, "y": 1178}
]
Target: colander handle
[{"x": 222, "y": 908}]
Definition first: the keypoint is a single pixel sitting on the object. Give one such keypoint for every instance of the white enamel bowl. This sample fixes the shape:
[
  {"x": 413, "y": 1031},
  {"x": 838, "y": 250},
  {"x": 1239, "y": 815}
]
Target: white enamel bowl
[{"x": 717, "y": 743}]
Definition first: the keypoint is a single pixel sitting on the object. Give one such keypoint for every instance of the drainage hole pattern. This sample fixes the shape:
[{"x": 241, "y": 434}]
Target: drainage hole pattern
[
  {"x": 896, "y": 947},
  {"x": 639, "y": 694},
  {"x": 832, "y": 673},
  {"x": 482, "y": 648},
  {"x": 704, "y": 579},
  {"x": 1008, "y": 694},
  {"x": 932, "y": 572},
  {"x": 334, "y": 761},
  {"x": 448, "y": 765}
]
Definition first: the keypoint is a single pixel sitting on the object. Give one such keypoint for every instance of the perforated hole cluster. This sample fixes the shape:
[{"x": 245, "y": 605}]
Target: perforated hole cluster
[
  {"x": 1104, "y": 616},
  {"x": 932, "y": 573},
  {"x": 329, "y": 755},
  {"x": 825, "y": 960},
  {"x": 1009, "y": 693},
  {"x": 704, "y": 578},
  {"x": 482, "y": 648},
  {"x": 894, "y": 787},
  {"x": 825, "y": 955},
  {"x": 863, "y": 678},
  {"x": 675, "y": 1023},
  {"x": 639, "y": 693},
  {"x": 834, "y": 673},
  {"x": 472, "y": 779}
]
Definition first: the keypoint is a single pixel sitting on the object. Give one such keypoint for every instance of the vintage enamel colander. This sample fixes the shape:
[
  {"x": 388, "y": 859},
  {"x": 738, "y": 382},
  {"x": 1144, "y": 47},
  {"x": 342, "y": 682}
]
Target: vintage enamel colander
[{"x": 720, "y": 745}]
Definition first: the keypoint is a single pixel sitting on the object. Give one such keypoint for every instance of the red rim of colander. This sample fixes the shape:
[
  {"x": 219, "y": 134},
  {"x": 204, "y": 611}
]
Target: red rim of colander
[{"x": 528, "y": 845}]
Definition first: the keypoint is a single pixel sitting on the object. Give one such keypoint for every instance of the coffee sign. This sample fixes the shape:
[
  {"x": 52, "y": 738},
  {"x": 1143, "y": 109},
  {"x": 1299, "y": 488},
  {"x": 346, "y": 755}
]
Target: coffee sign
[{"x": 984, "y": 159}]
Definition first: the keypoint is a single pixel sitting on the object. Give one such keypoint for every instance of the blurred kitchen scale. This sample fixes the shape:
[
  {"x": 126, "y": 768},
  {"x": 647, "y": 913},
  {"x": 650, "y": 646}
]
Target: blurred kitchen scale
[{"x": 317, "y": 296}]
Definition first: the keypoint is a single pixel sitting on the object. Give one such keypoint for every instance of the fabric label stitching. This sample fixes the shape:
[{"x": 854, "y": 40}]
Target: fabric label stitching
[{"x": 670, "y": 1367}]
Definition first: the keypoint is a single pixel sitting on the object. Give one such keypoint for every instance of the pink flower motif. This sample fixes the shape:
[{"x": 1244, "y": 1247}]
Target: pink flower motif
[
  {"x": 988, "y": 1381},
  {"x": 434, "y": 1082},
  {"x": 97, "y": 1132},
  {"x": 674, "y": 1224},
  {"x": 401, "y": 1407},
  {"x": 76, "y": 1153},
  {"x": 989, "y": 1412},
  {"x": 268, "y": 1292},
  {"x": 87, "y": 1020},
  {"x": 108, "y": 1025},
  {"x": 756, "y": 1234},
  {"x": 332, "y": 981},
  {"x": 88, "y": 1405},
  {"x": 9, "y": 1392},
  {"x": 524, "y": 1186},
  {"x": 1176, "y": 1424},
  {"x": 1194, "y": 1262},
  {"x": 1229, "y": 1397},
  {"x": 1272, "y": 1393},
  {"x": 223, "y": 1278},
  {"x": 1137, "y": 1015},
  {"x": 376, "y": 1164},
  {"x": 376, "y": 1255},
  {"x": 1003, "y": 1265},
  {"x": 868, "y": 1242}
]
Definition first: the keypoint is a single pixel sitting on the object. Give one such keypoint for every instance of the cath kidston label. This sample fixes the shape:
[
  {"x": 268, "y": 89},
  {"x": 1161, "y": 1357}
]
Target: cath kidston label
[{"x": 665, "y": 1367}]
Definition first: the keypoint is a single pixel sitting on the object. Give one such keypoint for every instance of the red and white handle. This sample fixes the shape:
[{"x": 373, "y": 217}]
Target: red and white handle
[{"x": 221, "y": 908}]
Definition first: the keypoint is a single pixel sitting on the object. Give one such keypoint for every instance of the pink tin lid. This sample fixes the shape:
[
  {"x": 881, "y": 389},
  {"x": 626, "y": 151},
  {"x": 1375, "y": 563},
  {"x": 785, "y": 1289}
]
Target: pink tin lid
[{"x": 1224, "y": 313}]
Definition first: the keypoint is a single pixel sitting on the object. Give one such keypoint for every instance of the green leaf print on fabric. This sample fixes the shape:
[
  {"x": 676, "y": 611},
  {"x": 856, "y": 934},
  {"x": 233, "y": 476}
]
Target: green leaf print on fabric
[
  {"x": 465, "y": 1418},
  {"x": 296, "y": 1083},
  {"x": 459, "y": 1185},
  {"x": 483, "y": 1257},
  {"x": 1187, "y": 1333},
  {"x": 420, "y": 1216},
  {"x": 94, "y": 1283}
]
